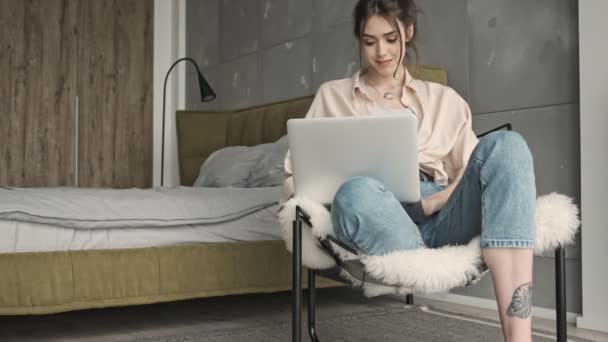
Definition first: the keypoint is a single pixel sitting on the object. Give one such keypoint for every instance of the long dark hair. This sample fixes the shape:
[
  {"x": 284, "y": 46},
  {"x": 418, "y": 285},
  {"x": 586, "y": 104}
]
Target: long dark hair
[{"x": 392, "y": 10}]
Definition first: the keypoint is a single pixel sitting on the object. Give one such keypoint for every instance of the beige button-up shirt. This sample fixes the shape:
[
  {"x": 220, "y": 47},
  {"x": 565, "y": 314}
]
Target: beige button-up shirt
[{"x": 445, "y": 135}]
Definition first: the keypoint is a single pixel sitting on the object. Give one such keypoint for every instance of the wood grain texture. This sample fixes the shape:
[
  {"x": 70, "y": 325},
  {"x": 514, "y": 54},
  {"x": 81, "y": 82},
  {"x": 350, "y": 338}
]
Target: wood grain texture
[
  {"x": 37, "y": 88},
  {"x": 115, "y": 89},
  {"x": 54, "y": 50}
]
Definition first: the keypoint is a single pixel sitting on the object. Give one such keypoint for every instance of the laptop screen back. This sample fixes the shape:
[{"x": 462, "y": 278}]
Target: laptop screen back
[{"x": 326, "y": 152}]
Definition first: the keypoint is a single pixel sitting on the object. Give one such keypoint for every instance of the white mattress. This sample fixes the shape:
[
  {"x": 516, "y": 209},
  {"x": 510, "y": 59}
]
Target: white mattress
[{"x": 16, "y": 237}]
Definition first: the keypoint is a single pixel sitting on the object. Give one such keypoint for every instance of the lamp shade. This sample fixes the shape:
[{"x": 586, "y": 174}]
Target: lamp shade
[{"x": 207, "y": 94}]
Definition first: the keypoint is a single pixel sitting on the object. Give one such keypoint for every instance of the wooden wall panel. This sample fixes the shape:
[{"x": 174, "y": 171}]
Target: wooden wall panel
[
  {"x": 37, "y": 89},
  {"x": 115, "y": 90}
]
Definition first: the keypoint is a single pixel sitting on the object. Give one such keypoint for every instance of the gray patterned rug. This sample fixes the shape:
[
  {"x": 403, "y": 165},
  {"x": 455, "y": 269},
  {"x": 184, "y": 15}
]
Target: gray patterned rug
[{"x": 409, "y": 323}]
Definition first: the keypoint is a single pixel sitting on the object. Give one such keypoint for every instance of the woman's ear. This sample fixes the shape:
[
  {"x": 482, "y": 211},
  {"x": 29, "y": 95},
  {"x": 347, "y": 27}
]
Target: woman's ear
[{"x": 409, "y": 33}]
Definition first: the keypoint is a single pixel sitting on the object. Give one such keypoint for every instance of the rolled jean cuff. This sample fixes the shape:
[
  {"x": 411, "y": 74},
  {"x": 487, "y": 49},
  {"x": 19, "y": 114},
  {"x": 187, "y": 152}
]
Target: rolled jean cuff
[{"x": 507, "y": 244}]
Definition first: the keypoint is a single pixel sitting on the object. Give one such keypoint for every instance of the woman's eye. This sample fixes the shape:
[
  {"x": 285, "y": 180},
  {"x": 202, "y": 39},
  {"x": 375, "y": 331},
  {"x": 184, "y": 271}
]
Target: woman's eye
[
  {"x": 392, "y": 40},
  {"x": 369, "y": 43}
]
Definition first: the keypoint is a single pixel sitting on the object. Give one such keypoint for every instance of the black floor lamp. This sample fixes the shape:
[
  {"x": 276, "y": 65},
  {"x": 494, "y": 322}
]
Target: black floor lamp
[{"x": 207, "y": 94}]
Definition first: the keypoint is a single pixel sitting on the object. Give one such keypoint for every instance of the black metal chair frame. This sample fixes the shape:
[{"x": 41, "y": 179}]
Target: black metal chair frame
[{"x": 302, "y": 216}]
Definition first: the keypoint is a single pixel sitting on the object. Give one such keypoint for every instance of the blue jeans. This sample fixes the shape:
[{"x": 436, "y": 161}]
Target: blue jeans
[{"x": 495, "y": 199}]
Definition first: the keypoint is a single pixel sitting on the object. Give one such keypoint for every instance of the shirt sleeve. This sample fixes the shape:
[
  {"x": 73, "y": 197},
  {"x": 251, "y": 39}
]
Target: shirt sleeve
[{"x": 465, "y": 142}]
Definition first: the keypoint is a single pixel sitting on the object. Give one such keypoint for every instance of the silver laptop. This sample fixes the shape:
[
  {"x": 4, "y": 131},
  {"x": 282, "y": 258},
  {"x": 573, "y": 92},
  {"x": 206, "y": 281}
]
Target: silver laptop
[{"x": 325, "y": 152}]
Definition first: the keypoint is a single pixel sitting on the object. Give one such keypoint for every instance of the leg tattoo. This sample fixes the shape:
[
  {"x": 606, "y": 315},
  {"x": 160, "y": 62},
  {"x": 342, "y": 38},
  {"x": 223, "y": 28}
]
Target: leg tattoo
[{"x": 521, "y": 302}]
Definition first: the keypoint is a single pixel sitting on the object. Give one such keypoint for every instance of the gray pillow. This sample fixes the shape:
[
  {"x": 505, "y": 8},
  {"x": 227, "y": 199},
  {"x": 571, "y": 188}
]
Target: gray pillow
[
  {"x": 269, "y": 170},
  {"x": 244, "y": 167},
  {"x": 228, "y": 167}
]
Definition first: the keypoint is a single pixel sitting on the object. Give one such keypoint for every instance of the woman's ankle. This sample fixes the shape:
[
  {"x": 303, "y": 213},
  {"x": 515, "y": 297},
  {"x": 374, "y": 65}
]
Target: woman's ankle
[{"x": 518, "y": 335}]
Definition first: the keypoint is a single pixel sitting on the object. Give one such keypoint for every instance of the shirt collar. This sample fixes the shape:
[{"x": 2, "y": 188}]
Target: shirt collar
[{"x": 410, "y": 83}]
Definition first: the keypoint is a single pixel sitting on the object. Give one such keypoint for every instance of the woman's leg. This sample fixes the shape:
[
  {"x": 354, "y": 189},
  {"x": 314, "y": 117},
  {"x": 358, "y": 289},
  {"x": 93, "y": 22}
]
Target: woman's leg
[
  {"x": 370, "y": 219},
  {"x": 496, "y": 198},
  {"x": 512, "y": 276}
]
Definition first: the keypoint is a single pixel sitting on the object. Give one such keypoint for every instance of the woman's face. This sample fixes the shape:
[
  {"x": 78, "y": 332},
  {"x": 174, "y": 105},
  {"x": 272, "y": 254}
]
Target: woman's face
[{"x": 380, "y": 45}]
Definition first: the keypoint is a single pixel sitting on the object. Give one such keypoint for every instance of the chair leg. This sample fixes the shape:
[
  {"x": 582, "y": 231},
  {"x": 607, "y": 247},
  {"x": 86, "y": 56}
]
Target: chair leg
[
  {"x": 296, "y": 282},
  {"x": 560, "y": 292},
  {"x": 312, "y": 301},
  {"x": 409, "y": 299}
]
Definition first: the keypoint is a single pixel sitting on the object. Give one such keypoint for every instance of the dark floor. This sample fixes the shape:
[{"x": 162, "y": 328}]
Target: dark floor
[
  {"x": 157, "y": 320},
  {"x": 219, "y": 313}
]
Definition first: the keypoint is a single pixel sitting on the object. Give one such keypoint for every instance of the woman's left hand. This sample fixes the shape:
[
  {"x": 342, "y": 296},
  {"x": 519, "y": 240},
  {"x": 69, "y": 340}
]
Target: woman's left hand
[
  {"x": 434, "y": 203},
  {"x": 429, "y": 206}
]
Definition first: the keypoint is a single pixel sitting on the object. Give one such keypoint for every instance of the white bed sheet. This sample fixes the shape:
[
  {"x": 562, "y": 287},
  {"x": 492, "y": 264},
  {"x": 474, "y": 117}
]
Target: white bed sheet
[{"x": 18, "y": 237}]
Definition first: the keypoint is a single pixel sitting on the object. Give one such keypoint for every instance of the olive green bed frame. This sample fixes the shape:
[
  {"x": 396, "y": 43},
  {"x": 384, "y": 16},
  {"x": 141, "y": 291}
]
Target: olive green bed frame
[{"x": 50, "y": 282}]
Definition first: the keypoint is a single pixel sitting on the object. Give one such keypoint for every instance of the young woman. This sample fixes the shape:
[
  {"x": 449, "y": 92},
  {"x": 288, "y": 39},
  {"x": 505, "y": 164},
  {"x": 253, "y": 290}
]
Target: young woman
[{"x": 470, "y": 187}]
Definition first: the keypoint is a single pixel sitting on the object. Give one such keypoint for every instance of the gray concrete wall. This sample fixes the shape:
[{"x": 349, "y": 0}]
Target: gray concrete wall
[{"x": 512, "y": 60}]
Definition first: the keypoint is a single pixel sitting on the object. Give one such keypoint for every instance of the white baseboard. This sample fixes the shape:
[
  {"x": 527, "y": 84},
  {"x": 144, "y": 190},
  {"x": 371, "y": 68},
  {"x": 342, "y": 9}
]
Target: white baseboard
[
  {"x": 491, "y": 304},
  {"x": 592, "y": 323}
]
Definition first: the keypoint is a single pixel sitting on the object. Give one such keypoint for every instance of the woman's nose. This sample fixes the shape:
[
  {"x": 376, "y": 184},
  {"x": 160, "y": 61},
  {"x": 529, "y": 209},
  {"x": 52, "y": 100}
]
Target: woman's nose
[{"x": 380, "y": 49}]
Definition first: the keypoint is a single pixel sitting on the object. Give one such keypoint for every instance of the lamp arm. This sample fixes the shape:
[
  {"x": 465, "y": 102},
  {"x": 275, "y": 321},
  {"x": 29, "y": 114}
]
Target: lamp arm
[{"x": 162, "y": 153}]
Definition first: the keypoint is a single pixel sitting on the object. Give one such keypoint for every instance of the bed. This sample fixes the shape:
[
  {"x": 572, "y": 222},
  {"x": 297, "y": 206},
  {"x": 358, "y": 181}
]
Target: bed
[{"x": 101, "y": 272}]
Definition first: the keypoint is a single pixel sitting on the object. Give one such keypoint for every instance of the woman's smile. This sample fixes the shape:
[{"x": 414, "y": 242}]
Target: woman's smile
[{"x": 384, "y": 63}]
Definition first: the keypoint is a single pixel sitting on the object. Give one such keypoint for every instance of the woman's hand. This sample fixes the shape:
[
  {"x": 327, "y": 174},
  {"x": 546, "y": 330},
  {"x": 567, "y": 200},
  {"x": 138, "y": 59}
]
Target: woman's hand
[
  {"x": 436, "y": 201},
  {"x": 430, "y": 205}
]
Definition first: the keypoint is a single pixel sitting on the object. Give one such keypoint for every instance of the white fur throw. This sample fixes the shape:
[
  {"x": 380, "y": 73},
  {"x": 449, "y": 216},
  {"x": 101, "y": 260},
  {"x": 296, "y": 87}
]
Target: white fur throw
[{"x": 425, "y": 270}]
